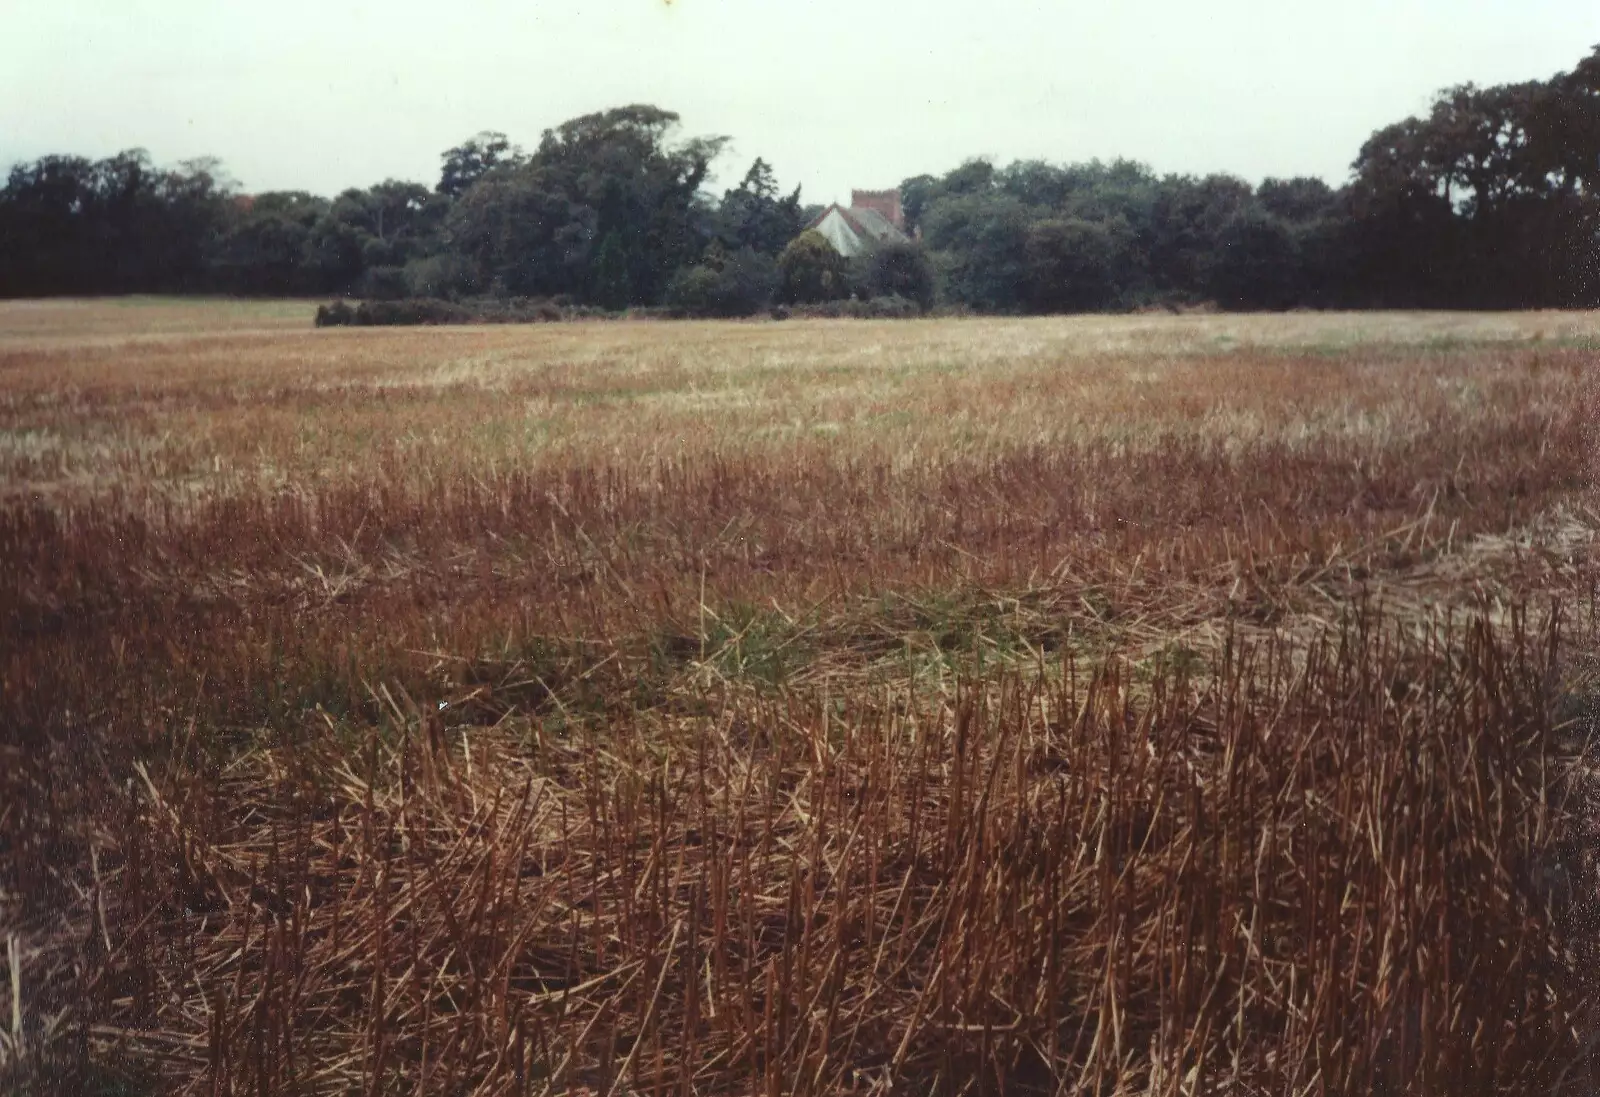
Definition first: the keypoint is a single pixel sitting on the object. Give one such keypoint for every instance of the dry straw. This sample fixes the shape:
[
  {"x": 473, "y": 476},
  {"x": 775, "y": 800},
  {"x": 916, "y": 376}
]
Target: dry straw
[{"x": 1099, "y": 708}]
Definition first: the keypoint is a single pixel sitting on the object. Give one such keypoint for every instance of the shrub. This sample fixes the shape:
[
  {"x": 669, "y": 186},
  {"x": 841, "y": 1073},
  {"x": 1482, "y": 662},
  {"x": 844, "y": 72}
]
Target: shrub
[
  {"x": 691, "y": 291},
  {"x": 443, "y": 276},
  {"x": 820, "y": 310},
  {"x": 810, "y": 271},
  {"x": 738, "y": 285},
  {"x": 412, "y": 310},
  {"x": 877, "y": 308},
  {"x": 384, "y": 284},
  {"x": 431, "y": 310},
  {"x": 749, "y": 282},
  {"x": 899, "y": 269},
  {"x": 337, "y": 314},
  {"x": 888, "y": 307}
]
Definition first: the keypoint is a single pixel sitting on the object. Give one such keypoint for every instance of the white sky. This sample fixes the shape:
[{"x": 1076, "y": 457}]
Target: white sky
[{"x": 834, "y": 93}]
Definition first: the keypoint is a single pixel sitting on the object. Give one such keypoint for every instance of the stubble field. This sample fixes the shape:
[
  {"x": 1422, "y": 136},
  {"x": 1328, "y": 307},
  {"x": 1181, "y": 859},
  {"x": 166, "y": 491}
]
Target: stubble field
[{"x": 1136, "y": 704}]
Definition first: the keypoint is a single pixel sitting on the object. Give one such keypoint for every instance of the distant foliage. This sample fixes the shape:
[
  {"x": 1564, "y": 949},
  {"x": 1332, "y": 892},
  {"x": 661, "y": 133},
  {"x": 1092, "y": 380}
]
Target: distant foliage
[
  {"x": 894, "y": 269},
  {"x": 474, "y": 158},
  {"x": 1074, "y": 265},
  {"x": 811, "y": 271},
  {"x": 855, "y": 308},
  {"x": 119, "y": 225},
  {"x": 445, "y": 275},
  {"x": 754, "y": 216},
  {"x": 606, "y": 209},
  {"x": 337, "y": 315},
  {"x": 1257, "y": 264},
  {"x": 404, "y": 312},
  {"x": 979, "y": 240},
  {"x": 611, "y": 283},
  {"x": 742, "y": 284},
  {"x": 264, "y": 249},
  {"x": 383, "y": 284},
  {"x": 1491, "y": 199},
  {"x": 419, "y": 311}
]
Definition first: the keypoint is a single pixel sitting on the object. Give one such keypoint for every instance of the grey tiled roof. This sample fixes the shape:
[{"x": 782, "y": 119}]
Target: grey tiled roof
[{"x": 874, "y": 224}]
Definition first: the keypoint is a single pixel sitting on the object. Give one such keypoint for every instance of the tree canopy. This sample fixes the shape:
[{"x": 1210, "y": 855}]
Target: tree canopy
[{"x": 1489, "y": 198}]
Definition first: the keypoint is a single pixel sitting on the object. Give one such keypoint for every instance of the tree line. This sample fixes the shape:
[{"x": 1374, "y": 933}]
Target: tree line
[{"x": 1489, "y": 200}]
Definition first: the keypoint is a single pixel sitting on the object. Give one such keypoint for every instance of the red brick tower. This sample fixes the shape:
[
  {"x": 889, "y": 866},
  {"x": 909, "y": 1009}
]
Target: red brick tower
[{"x": 886, "y": 202}]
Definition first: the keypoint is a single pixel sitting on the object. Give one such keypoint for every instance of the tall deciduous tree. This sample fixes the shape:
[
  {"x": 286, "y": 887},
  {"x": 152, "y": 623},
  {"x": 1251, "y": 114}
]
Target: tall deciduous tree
[
  {"x": 118, "y": 225},
  {"x": 538, "y": 227},
  {"x": 1072, "y": 265},
  {"x": 381, "y": 228},
  {"x": 1256, "y": 264},
  {"x": 756, "y": 215},
  {"x": 1300, "y": 199},
  {"x": 264, "y": 250},
  {"x": 474, "y": 158},
  {"x": 979, "y": 240},
  {"x": 523, "y": 233}
]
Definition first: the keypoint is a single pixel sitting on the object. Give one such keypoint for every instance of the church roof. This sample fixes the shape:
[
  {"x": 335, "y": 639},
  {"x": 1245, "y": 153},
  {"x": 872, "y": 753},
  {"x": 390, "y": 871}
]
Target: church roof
[{"x": 851, "y": 230}]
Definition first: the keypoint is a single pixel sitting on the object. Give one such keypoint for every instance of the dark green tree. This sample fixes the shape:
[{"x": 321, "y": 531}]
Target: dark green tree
[
  {"x": 522, "y": 234},
  {"x": 1400, "y": 236},
  {"x": 47, "y": 228},
  {"x": 811, "y": 271},
  {"x": 446, "y": 275},
  {"x": 1564, "y": 130},
  {"x": 1037, "y": 183},
  {"x": 474, "y": 158},
  {"x": 380, "y": 228},
  {"x": 1297, "y": 200},
  {"x": 118, "y": 225},
  {"x": 619, "y": 168},
  {"x": 897, "y": 269},
  {"x": 725, "y": 285},
  {"x": 979, "y": 244},
  {"x": 1072, "y": 265},
  {"x": 1186, "y": 219},
  {"x": 915, "y": 195},
  {"x": 1256, "y": 265},
  {"x": 974, "y": 176},
  {"x": 612, "y": 287},
  {"x": 264, "y": 250},
  {"x": 755, "y": 215}
]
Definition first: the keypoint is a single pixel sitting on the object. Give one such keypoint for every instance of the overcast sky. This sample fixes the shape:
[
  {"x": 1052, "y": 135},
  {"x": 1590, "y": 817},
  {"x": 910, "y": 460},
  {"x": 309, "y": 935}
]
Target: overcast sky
[{"x": 324, "y": 94}]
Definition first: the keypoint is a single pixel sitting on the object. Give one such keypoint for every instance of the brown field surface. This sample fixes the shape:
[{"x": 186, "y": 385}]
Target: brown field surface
[{"x": 1167, "y": 704}]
